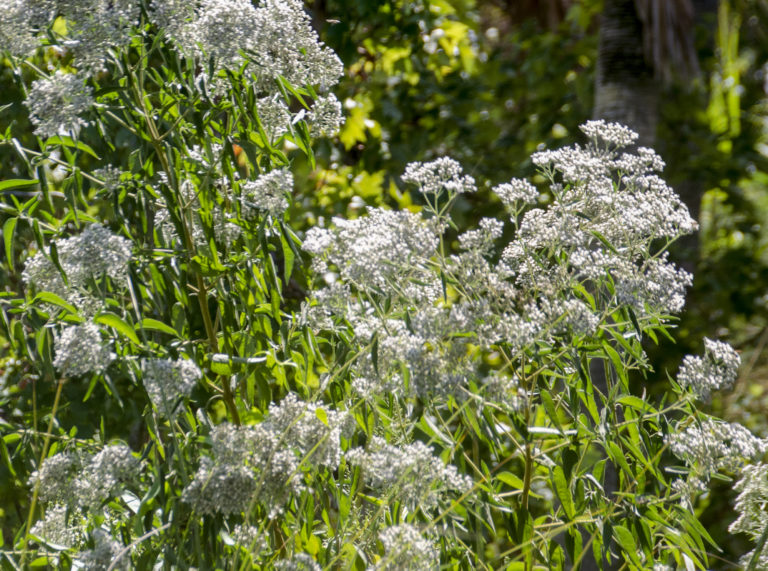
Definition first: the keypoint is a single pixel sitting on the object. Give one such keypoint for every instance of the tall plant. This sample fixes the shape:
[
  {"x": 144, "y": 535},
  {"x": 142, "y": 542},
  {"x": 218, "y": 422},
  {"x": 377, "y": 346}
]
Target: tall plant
[{"x": 430, "y": 401}]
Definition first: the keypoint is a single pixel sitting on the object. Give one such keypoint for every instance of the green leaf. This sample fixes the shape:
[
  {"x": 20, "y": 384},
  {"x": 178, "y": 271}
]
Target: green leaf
[
  {"x": 636, "y": 403},
  {"x": 563, "y": 491},
  {"x": 322, "y": 415},
  {"x": 627, "y": 542},
  {"x": 288, "y": 258},
  {"x": 69, "y": 142},
  {"x": 155, "y": 325},
  {"x": 615, "y": 358},
  {"x": 616, "y": 455},
  {"x": 14, "y": 183},
  {"x": 8, "y": 229},
  {"x": 510, "y": 480},
  {"x": 604, "y": 241},
  {"x": 6, "y": 458},
  {"x": 549, "y": 406},
  {"x": 118, "y": 324},
  {"x": 53, "y": 299}
]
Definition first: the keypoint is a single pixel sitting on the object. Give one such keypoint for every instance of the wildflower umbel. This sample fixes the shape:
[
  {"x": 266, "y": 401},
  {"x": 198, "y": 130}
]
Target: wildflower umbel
[
  {"x": 80, "y": 350},
  {"x": 406, "y": 548},
  {"x": 441, "y": 174},
  {"x": 79, "y": 479},
  {"x": 106, "y": 554},
  {"x": 715, "y": 445},
  {"x": 265, "y": 462},
  {"x": 169, "y": 381},
  {"x": 614, "y": 135},
  {"x": 92, "y": 255},
  {"x": 57, "y": 104},
  {"x": 410, "y": 473},
  {"x": 275, "y": 38},
  {"x": 752, "y": 501},
  {"x": 752, "y": 506},
  {"x": 370, "y": 252},
  {"x": 326, "y": 117},
  {"x": 717, "y": 369},
  {"x": 516, "y": 190},
  {"x": 57, "y": 529},
  {"x": 267, "y": 193}
]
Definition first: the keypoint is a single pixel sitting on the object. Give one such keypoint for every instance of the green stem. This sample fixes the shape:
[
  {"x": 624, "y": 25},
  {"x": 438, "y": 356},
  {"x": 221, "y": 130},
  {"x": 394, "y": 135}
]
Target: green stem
[
  {"x": 36, "y": 490},
  {"x": 202, "y": 292}
]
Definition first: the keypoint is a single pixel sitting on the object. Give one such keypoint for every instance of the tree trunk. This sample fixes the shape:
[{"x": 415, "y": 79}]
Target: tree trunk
[{"x": 626, "y": 90}]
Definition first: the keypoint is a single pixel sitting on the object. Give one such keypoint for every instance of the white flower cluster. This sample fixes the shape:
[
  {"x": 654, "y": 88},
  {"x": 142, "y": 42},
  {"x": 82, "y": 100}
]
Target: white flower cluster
[
  {"x": 86, "y": 481},
  {"x": 58, "y": 529},
  {"x": 717, "y": 369},
  {"x": 751, "y": 506},
  {"x": 220, "y": 488},
  {"x": 752, "y": 501},
  {"x": 611, "y": 134},
  {"x": 91, "y": 255},
  {"x": 410, "y": 473},
  {"x": 266, "y": 462},
  {"x": 715, "y": 445},
  {"x": 276, "y": 38},
  {"x": 646, "y": 160},
  {"x": 406, "y": 548},
  {"x": 484, "y": 238},
  {"x": 274, "y": 115},
  {"x": 106, "y": 554},
  {"x": 272, "y": 41},
  {"x": 441, "y": 174},
  {"x": 326, "y": 117},
  {"x": 92, "y": 27},
  {"x": 373, "y": 251},
  {"x": 167, "y": 382},
  {"x": 609, "y": 212},
  {"x": 267, "y": 193},
  {"x": 515, "y": 191},
  {"x": 299, "y": 562},
  {"x": 110, "y": 177},
  {"x": 432, "y": 350},
  {"x": 80, "y": 350},
  {"x": 95, "y": 26},
  {"x": 57, "y": 103},
  {"x": 17, "y": 33},
  {"x": 604, "y": 223}
]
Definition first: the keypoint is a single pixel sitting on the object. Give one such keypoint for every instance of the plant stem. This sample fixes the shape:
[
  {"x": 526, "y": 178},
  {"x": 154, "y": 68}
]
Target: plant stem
[
  {"x": 36, "y": 491},
  {"x": 202, "y": 291}
]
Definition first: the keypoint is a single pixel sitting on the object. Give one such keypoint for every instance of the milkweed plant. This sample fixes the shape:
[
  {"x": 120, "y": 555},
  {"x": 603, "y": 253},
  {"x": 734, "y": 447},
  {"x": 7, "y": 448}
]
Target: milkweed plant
[{"x": 385, "y": 392}]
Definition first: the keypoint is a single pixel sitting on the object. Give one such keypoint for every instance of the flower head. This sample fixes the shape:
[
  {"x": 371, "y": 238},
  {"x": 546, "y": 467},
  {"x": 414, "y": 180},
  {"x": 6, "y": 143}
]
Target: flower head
[
  {"x": 441, "y": 174},
  {"x": 57, "y": 103},
  {"x": 406, "y": 548},
  {"x": 166, "y": 381},
  {"x": 718, "y": 368},
  {"x": 80, "y": 350}
]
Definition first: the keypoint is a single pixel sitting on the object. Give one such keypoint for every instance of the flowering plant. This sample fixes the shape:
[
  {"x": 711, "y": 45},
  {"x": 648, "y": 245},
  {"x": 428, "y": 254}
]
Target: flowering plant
[{"x": 416, "y": 396}]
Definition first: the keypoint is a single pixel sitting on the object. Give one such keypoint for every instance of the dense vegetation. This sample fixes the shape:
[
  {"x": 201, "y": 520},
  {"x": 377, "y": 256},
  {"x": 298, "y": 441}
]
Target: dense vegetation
[{"x": 387, "y": 300}]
